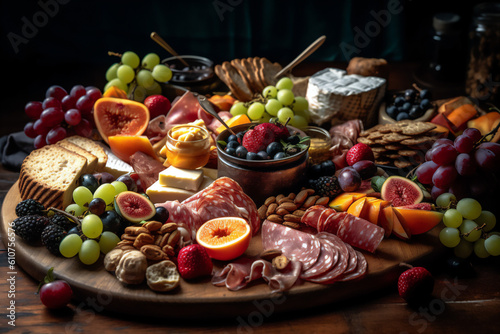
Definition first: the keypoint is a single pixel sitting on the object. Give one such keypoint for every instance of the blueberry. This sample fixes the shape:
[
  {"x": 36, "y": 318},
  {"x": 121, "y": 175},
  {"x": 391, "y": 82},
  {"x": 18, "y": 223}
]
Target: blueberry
[
  {"x": 410, "y": 94},
  {"x": 232, "y": 144},
  {"x": 328, "y": 168},
  {"x": 241, "y": 152},
  {"x": 232, "y": 138},
  {"x": 230, "y": 151},
  {"x": 399, "y": 101},
  {"x": 161, "y": 214},
  {"x": 293, "y": 139},
  {"x": 274, "y": 148},
  {"x": 252, "y": 156},
  {"x": 415, "y": 112},
  {"x": 406, "y": 107},
  {"x": 279, "y": 155},
  {"x": 425, "y": 94},
  {"x": 425, "y": 104},
  {"x": 402, "y": 115},
  {"x": 240, "y": 135},
  {"x": 316, "y": 170},
  {"x": 263, "y": 155},
  {"x": 392, "y": 111}
]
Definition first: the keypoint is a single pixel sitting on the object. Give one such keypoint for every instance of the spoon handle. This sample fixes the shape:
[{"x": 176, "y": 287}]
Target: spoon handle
[
  {"x": 207, "y": 107},
  {"x": 157, "y": 38},
  {"x": 306, "y": 53}
]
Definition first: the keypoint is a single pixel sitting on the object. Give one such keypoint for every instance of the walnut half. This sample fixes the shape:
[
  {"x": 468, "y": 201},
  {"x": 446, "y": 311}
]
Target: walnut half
[{"x": 132, "y": 267}]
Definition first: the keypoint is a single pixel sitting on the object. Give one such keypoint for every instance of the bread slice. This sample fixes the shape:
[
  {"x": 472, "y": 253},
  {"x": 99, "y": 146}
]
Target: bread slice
[
  {"x": 236, "y": 83},
  {"x": 268, "y": 70},
  {"x": 91, "y": 159},
  {"x": 91, "y": 146},
  {"x": 50, "y": 174},
  {"x": 253, "y": 75}
]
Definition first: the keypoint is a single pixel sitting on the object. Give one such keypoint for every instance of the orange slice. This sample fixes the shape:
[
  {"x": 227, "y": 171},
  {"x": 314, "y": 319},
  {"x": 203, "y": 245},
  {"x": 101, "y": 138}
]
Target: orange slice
[{"x": 224, "y": 238}]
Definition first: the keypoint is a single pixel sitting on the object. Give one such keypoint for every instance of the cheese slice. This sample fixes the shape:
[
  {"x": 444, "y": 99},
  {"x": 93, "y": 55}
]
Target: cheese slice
[
  {"x": 186, "y": 179},
  {"x": 160, "y": 194}
]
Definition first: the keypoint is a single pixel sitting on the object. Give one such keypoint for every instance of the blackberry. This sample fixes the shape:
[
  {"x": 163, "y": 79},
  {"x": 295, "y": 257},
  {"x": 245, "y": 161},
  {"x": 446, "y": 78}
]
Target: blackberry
[
  {"x": 61, "y": 220},
  {"x": 52, "y": 236},
  {"x": 30, "y": 227},
  {"x": 327, "y": 186},
  {"x": 29, "y": 207}
]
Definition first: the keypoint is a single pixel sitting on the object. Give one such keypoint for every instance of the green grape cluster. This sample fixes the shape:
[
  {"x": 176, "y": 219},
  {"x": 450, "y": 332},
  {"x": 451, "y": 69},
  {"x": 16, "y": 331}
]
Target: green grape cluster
[
  {"x": 276, "y": 103},
  {"x": 468, "y": 228},
  {"x": 139, "y": 78}
]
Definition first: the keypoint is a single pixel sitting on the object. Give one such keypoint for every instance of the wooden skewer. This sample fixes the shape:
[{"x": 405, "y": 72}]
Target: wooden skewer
[
  {"x": 306, "y": 53},
  {"x": 157, "y": 38}
]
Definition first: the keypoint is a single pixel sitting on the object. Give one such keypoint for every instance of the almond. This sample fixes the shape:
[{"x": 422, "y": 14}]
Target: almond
[
  {"x": 270, "y": 200},
  {"x": 299, "y": 213},
  {"x": 310, "y": 201},
  {"x": 291, "y": 218},
  {"x": 284, "y": 200},
  {"x": 279, "y": 197},
  {"x": 288, "y": 206},
  {"x": 168, "y": 227},
  {"x": 291, "y": 195},
  {"x": 291, "y": 224},
  {"x": 271, "y": 209},
  {"x": 323, "y": 201},
  {"x": 300, "y": 198},
  {"x": 281, "y": 211},
  {"x": 262, "y": 211},
  {"x": 275, "y": 218}
]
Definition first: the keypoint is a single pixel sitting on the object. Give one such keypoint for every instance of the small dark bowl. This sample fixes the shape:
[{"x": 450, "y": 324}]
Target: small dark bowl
[{"x": 198, "y": 77}]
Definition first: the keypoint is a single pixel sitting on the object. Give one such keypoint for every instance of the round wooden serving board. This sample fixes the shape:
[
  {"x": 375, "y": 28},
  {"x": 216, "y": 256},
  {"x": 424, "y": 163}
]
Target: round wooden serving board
[{"x": 95, "y": 287}]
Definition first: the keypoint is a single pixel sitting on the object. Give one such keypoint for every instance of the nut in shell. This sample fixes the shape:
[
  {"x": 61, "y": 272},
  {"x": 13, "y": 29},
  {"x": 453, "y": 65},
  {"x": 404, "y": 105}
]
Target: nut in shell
[
  {"x": 152, "y": 252},
  {"x": 168, "y": 228},
  {"x": 162, "y": 276},
  {"x": 174, "y": 238},
  {"x": 135, "y": 230},
  {"x": 143, "y": 239},
  {"x": 280, "y": 262},
  {"x": 131, "y": 268},
  {"x": 153, "y": 225}
]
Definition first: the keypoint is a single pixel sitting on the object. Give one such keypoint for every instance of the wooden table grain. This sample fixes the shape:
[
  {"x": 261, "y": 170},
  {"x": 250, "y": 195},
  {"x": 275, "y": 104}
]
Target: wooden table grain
[{"x": 458, "y": 304}]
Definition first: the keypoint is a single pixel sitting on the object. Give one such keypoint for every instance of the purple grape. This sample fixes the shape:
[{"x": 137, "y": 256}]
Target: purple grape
[
  {"x": 444, "y": 176},
  {"x": 425, "y": 172},
  {"x": 349, "y": 179},
  {"x": 365, "y": 168},
  {"x": 444, "y": 154},
  {"x": 465, "y": 164},
  {"x": 129, "y": 182},
  {"x": 463, "y": 144}
]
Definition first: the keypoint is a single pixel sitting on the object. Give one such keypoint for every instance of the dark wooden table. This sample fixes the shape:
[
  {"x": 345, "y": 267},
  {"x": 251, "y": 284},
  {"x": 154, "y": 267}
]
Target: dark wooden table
[{"x": 458, "y": 304}]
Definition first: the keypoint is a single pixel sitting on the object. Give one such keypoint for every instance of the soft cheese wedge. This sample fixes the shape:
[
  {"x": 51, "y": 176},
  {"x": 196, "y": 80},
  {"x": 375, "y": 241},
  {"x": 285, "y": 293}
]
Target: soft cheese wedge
[
  {"x": 160, "y": 194},
  {"x": 187, "y": 179}
]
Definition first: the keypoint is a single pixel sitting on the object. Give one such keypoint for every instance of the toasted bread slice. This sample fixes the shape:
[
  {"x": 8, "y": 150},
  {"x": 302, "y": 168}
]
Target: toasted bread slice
[
  {"x": 268, "y": 70},
  {"x": 91, "y": 159},
  {"x": 236, "y": 83},
  {"x": 253, "y": 75},
  {"x": 91, "y": 146},
  {"x": 50, "y": 174}
]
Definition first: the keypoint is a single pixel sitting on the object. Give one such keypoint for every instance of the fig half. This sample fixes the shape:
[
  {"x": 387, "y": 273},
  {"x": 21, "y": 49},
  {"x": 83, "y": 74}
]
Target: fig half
[
  {"x": 134, "y": 207},
  {"x": 401, "y": 191}
]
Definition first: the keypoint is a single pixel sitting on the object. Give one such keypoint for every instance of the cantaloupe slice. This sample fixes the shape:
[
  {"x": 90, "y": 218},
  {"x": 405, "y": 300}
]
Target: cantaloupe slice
[
  {"x": 420, "y": 221},
  {"x": 386, "y": 220},
  {"x": 124, "y": 146},
  {"x": 399, "y": 227},
  {"x": 358, "y": 208},
  {"x": 343, "y": 201}
]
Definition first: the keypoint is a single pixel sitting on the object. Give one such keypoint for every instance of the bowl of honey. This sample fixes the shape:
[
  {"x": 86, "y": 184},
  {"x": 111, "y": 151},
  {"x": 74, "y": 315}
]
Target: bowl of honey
[{"x": 188, "y": 146}]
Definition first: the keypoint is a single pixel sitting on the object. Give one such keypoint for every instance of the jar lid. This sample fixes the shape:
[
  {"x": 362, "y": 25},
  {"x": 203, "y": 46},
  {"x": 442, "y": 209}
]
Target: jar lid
[
  {"x": 446, "y": 22},
  {"x": 488, "y": 12}
]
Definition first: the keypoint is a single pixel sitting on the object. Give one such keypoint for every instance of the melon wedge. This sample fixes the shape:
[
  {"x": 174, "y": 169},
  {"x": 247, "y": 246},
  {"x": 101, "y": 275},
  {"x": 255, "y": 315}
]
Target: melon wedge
[
  {"x": 359, "y": 208},
  {"x": 374, "y": 210},
  {"x": 124, "y": 146},
  {"x": 343, "y": 201},
  {"x": 386, "y": 220},
  {"x": 399, "y": 227},
  {"x": 419, "y": 221}
]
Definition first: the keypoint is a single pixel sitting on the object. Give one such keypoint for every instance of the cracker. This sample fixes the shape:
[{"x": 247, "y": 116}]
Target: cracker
[
  {"x": 365, "y": 140},
  {"x": 375, "y": 135},
  {"x": 402, "y": 163},
  {"x": 378, "y": 149},
  {"x": 394, "y": 147},
  {"x": 392, "y": 155},
  {"x": 417, "y": 140},
  {"x": 382, "y": 161},
  {"x": 407, "y": 153},
  {"x": 418, "y": 128},
  {"x": 395, "y": 137}
]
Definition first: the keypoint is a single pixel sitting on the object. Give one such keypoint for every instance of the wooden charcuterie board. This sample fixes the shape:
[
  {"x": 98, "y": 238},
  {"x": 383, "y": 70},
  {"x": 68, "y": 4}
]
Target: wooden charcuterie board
[{"x": 95, "y": 287}]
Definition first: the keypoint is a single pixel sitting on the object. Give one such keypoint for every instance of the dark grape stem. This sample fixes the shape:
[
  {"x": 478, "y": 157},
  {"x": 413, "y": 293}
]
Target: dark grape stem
[
  {"x": 477, "y": 228},
  {"x": 69, "y": 215},
  {"x": 116, "y": 54}
]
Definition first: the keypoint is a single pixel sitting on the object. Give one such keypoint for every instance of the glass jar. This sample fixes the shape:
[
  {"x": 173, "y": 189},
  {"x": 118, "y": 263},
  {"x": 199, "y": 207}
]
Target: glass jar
[
  {"x": 483, "y": 75},
  {"x": 320, "y": 144},
  {"x": 190, "y": 151}
]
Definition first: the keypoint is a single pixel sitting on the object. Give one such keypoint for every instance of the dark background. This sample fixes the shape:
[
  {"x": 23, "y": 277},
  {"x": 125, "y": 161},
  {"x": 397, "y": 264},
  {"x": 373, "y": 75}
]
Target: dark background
[{"x": 71, "y": 45}]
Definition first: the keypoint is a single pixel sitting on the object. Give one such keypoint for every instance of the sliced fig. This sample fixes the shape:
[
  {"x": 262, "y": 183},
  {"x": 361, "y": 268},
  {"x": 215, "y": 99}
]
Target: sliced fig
[
  {"x": 401, "y": 191},
  {"x": 419, "y": 206},
  {"x": 134, "y": 207}
]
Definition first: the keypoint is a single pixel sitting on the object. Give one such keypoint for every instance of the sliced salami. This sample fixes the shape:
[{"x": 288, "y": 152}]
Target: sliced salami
[
  {"x": 332, "y": 222},
  {"x": 353, "y": 260},
  {"x": 360, "y": 233},
  {"x": 311, "y": 215},
  {"x": 294, "y": 244},
  {"x": 182, "y": 216},
  {"x": 339, "y": 268},
  {"x": 360, "y": 271},
  {"x": 328, "y": 257}
]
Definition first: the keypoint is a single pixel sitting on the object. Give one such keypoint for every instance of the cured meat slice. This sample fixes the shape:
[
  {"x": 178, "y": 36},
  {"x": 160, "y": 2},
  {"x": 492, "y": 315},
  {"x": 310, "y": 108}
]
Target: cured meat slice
[
  {"x": 360, "y": 233},
  {"x": 336, "y": 271},
  {"x": 328, "y": 257},
  {"x": 146, "y": 167},
  {"x": 236, "y": 275},
  {"x": 294, "y": 244},
  {"x": 181, "y": 215},
  {"x": 332, "y": 222},
  {"x": 311, "y": 215},
  {"x": 360, "y": 271},
  {"x": 353, "y": 260}
]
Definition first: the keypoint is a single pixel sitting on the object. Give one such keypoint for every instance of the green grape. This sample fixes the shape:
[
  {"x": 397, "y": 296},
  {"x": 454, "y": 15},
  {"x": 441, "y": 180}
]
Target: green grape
[
  {"x": 286, "y": 97},
  {"x": 92, "y": 226},
  {"x": 70, "y": 245},
  {"x": 488, "y": 219},
  {"x": 154, "y": 90},
  {"x": 238, "y": 108},
  {"x": 273, "y": 106},
  {"x": 145, "y": 79},
  {"x": 75, "y": 210},
  {"x": 256, "y": 110},
  {"x": 108, "y": 241},
  {"x": 449, "y": 236},
  {"x": 492, "y": 245},
  {"x": 265, "y": 118},
  {"x": 150, "y": 60},
  {"x": 111, "y": 72},
  {"x": 304, "y": 113},
  {"x": 469, "y": 208},
  {"x": 89, "y": 252},
  {"x": 452, "y": 218},
  {"x": 138, "y": 93},
  {"x": 119, "y": 187},
  {"x": 117, "y": 83},
  {"x": 82, "y": 196},
  {"x": 131, "y": 59},
  {"x": 105, "y": 191},
  {"x": 284, "y": 114},
  {"x": 162, "y": 73},
  {"x": 464, "y": 249},
  {"x": 445, "y": 199},
  {"x": 284, "y": 83},
  {"x": 480, "y": 249},
  {"x": 125, "y": 73},
  {"x": 270, "y": 92},
  {"x": 300, "y": 104},
  {"x": 469, "y": 227},
  {"x": 298, "y": 122}
]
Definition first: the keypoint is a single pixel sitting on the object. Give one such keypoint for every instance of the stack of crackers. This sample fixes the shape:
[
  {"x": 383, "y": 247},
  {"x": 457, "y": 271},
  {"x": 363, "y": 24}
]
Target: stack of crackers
[
  {"x": 402, "y": 144},
  {"x": 248, "y": 76}
]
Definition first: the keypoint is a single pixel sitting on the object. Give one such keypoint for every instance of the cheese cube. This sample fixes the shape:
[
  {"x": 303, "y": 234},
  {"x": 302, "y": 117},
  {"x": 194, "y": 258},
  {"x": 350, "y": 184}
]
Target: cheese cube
[
  {"x": 186, "y": 179},
  {"x": 160, "y": 194}
]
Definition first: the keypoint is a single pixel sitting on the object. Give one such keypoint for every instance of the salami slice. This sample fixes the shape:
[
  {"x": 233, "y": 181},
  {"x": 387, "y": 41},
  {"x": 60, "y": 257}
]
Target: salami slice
[
  {"x": 182, "y": 216},
  {"x": 311, "y": 215},
  {"x": 294, "y": 244},
  {"x": 360, "y": 233},
  {"x": 332, "y": 222},
  {"x": 353, "y": 260},
  {"x": 336, "y": 271},
  {"x": 328, "y": 257},
  {"x": 360, "y": 271}
]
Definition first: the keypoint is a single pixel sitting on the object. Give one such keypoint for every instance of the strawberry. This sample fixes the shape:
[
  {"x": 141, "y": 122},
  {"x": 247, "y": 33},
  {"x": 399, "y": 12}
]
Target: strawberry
[
  {"x": 157, "y": 105},
  {"x": 193, "y": 261},
  {"x": 359, "y": 152},
  {"x": 415, "y": 283},
  {"x": 257, "y": 139}
]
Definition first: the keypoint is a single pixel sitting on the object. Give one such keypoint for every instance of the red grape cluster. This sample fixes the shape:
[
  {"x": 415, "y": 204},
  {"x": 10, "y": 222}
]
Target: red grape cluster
[
  {"x": 61, "y": 115},
  {"x": 464, "y": 167}
]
